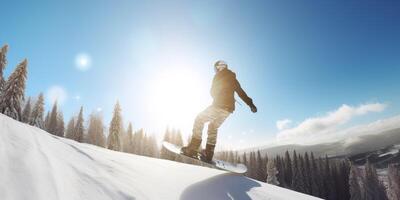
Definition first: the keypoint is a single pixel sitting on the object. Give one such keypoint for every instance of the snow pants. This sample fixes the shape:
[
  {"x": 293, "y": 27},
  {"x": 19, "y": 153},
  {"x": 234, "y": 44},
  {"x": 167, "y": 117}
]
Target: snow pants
[{"x": 215, "y": 116}]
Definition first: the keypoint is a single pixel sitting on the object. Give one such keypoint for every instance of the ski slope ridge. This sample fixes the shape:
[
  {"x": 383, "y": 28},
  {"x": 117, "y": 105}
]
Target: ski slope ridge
[{"x": 37, "y": 165}]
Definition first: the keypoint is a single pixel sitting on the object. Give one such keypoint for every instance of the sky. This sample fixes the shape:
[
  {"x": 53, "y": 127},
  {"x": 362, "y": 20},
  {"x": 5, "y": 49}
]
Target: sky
[{"x": 313, "y": 68}]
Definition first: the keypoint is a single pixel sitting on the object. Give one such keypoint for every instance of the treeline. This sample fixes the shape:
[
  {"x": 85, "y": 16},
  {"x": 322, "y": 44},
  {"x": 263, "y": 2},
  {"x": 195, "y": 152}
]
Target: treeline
[
  {"x": 332, "y": 179},
  {"x": 32, "y": 111}
]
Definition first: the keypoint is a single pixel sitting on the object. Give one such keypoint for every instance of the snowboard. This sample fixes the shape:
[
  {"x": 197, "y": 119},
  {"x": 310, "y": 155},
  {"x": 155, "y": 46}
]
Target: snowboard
[{"x": 219, "y": 164}]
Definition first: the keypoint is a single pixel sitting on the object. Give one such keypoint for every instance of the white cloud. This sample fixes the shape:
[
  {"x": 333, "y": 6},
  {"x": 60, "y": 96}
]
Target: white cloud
[
  {"x": 283, "y": 124},
  {"x": 83, "y": 62},
  {"x": 331, "y": 121},
  {"x": 58, "y": 93}
]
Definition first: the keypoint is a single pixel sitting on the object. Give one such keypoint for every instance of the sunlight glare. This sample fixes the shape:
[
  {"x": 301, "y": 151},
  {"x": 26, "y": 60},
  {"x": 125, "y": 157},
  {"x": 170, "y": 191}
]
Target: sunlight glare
[{"x": 175, "y": 97}]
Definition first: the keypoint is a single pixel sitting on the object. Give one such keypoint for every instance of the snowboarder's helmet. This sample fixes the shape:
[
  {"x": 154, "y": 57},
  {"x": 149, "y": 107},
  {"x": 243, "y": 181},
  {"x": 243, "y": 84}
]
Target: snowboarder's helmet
[{"x": 220, "y": 65}]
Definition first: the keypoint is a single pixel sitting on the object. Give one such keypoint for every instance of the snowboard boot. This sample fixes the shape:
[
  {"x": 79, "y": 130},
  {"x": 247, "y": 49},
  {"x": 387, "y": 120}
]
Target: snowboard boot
[
  {"x": 208, "y": 153},
  {"x": 191, "y": 149}
]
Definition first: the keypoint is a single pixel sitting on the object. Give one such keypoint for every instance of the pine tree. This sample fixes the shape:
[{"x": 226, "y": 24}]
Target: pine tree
[
  {"x": 52, "y": 123},
  {"x": 245, "y": 162},
  {"x": 374, "y": 189},
  {"x": 328, "y": 181},
  {"x": 70, "y": 129},
  {"x": 26, "y": 112},
  {"x": 315, "y": 177},
  {"x": 288, "y": 169},
  {"x": 354, "y": 182},
  {"x": 307, "y": 173},
  {"x": 324, "y": 191},
  {"x": 272, "y": 172},
  {"x": 3, "y": 63},
  {"x": 96, "y": 130},
  {"x": 261, "y": 170},
  {"x": 13, "y": 92},
  {"x": 36, "y": 118},
  {"x": 60, "y": 125},
  {"x": 231, "y": 157},
  {"x": 342, "y": 179},
  {"x": 394, "y": 182},
  {"x": 116, "y": 130},
  {"x": 252, "y": 165},
  {"x": 153, "y": 146},
  {"x": 302, "y": 170},
  {"x": 297, "y": 180},
  {"x": 335, "y": 181},
  {"x": 280, "y": 167},
  {"x": 138, "y": 139},
  {"x": 128, "y": 141},
  {"x": 47, "y": 121},
  {"x": 79, "y": 129}
]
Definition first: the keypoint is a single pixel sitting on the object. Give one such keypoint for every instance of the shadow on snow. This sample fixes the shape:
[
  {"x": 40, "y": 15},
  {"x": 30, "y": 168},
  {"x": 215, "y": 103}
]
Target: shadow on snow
[{"x": 222, "y": 187}]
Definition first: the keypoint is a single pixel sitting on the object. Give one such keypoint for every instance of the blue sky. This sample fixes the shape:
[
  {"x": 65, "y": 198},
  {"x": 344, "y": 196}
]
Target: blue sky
[{"x": 296, "y": 59}]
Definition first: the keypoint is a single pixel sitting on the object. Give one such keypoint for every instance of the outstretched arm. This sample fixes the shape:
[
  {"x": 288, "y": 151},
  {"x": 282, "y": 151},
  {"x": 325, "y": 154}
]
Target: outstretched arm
[{"x": 242, "y": 94}]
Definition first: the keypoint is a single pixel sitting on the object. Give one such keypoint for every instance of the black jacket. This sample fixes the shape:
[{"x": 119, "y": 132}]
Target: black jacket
[{"x": 223, "y": 87}]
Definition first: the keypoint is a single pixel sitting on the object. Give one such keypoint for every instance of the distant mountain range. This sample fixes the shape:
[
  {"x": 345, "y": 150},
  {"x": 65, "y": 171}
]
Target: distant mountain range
[{"x": 381, "y": 146}]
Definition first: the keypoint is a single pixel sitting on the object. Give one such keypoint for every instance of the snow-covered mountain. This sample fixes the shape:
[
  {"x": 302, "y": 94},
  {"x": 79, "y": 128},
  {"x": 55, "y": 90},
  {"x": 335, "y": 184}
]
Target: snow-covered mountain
[
  {"x": 37, "y": 165},
  {"x": 352, "y": 146}
]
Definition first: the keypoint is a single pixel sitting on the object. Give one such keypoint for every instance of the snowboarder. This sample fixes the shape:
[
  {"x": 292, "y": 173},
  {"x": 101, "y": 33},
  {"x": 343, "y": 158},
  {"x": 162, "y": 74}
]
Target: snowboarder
[{"x": 223, "y": 87}]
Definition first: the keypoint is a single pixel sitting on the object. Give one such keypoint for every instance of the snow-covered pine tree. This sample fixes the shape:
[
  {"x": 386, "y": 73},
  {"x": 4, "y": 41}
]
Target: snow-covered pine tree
[
  {"x": 128, "y": 139},
  {"x": 3, "y": 63},
  {"x": 52, "y": 123},
  {"x": 79, "y": 129},
  {"x": 354, "y": 183},
  {"x": 272, "y": 172},
  {"x": 138, "y": 139},
  {"x": 96, "y": 130},
  {"x": 393, "y": 182},
  {"x": 60, "y": 124},
  {"x": 46, "y": 121},
  {"x": 373, "y": 187},
  {"x": 115, "y": 130},
  {"x": 36, "y": 118},
  {"x": 148, "y": 147},
  {"x": 69, "y": 133},
  {"x": 153, "y": 146},
  {"x": 13, "y": 92},
  {"x": 26, "y": 112}
]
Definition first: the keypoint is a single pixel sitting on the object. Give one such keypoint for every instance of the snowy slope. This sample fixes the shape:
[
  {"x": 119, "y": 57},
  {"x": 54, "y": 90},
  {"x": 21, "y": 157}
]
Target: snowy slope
[{"x": 37, "y": 165}]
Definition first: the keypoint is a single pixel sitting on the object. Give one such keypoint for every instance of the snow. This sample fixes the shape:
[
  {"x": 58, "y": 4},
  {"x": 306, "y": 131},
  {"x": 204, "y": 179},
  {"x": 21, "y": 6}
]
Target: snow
[
  {"x": 395, "y": 149},
  {"x": 37, "y": 165}
]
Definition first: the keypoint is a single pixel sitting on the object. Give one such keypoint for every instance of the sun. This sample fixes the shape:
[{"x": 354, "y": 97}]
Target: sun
[{"x": 175, "y": 97}]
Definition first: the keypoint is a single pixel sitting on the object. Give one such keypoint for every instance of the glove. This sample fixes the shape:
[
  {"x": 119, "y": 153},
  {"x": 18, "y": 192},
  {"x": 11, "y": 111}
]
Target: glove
[{"x": 253, "y": 108}]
